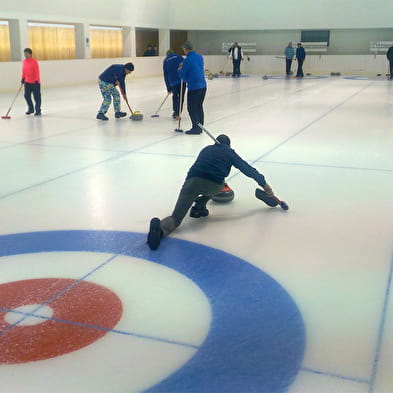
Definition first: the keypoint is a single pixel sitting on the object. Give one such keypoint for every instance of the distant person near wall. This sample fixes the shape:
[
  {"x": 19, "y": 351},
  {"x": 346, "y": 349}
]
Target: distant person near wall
[
  {"x": 156, "y": 51},
  {"x": 192, "y": 72},
  {"x": 236, "y": 54},
  {"x": 289, "y": 55},
  {"x": 113, "y": 76},
  {"x": 300, "y": 57},
  {"x": 149, "y": 51},
  {"x": 172, "y": 80},
  {"x": 389, "y": 55},
  {"x": 31, "y": 80}
]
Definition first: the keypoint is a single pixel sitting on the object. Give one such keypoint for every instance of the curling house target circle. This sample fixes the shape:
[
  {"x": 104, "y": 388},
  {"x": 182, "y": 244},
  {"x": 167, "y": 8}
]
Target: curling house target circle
[
  {"x": 256, "y": 340},
  {"x": 49, "y": 339}
]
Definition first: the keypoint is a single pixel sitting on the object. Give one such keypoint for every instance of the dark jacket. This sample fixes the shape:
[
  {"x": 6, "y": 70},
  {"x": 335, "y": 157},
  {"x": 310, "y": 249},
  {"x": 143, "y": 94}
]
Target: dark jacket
[
  {"x": 115, "y": 73},
  {"x": 239, "y": 53},
  {"x": 214, "y": 163},
  {"x": 300, "y": 53},
  {"x": 389, "y": 54},
  {"x": 170, "y": 66}
]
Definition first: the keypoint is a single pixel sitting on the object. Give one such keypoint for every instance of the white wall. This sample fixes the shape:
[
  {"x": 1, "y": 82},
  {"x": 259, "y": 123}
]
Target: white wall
[
  {"x": 71, "y": 72},
  {"x": 141, "y": 13},
  {"x": 280, "y": 14}
]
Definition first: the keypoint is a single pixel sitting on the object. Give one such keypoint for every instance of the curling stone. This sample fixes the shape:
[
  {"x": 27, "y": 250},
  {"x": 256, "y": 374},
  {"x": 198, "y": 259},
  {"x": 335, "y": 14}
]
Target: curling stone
[
  {"x": 210, "y": 77},
  {"x": 137, "y": 115},
  {"x": 265, "y": 77},
  {"x": 215, "y": 75},
  {"x": 225, "y": 195},
  {"x": 228, "y": 74}
]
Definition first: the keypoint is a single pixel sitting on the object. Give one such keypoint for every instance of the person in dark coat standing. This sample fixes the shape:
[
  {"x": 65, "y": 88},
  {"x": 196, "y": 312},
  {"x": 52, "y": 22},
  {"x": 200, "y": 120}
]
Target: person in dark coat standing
[
  {"x": 205, "y": 179},
  {"x": 236, "y": 54},
  {"x": 172, "y": 80},
  {"x": 389, "y": 55},
  {"x": 300, "y": 57}
]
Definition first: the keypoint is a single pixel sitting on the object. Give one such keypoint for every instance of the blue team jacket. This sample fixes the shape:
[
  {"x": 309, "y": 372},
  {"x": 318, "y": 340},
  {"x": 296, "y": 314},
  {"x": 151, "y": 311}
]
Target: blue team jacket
[
  {"x": 170, "y": 66},
  {"x": 193, "y": 71}
]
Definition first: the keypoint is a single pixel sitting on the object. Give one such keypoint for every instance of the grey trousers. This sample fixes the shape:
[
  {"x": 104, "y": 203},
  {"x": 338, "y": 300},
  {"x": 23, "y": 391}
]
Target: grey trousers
[{"x": 192, "y": 189}]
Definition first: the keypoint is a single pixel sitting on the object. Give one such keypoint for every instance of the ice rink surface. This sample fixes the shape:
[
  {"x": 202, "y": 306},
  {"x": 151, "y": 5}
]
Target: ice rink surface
[{"x": 249, "y": 299}]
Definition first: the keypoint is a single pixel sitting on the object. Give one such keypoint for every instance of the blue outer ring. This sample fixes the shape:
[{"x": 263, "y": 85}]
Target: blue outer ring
[{"x": 257, "y": 337}]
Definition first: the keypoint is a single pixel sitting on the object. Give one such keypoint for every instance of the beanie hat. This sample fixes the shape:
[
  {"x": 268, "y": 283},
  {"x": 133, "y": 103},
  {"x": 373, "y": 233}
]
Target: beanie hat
[
  {"x": 129, "y": 66},
  {"x": 188, "y": 45},
  {"x": 223, "y": 140}
]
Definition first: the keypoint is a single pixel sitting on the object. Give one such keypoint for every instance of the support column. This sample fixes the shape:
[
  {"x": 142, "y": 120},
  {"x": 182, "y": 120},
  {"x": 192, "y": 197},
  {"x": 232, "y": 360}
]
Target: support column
[
  {"x": 164, "y": 39},
  {"x": 129, "y": 41},
  {"x": 82, "y": 41},
  {"x": 19, "y": 38}
]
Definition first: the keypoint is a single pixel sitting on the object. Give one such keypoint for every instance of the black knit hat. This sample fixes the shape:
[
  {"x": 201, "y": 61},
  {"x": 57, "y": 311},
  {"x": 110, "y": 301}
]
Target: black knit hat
[
  {"x": 224, "y": 140},
  {"x": 129, "y": 66}
]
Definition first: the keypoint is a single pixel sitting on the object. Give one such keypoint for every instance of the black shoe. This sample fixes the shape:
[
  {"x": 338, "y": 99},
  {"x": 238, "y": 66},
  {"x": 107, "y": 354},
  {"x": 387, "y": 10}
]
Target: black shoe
[
  {"x": 155, "y": 233},
  {"x": 29, "y": 111},
  {"x": 197, "y": 212},
  {"x": 37, "y": 113},
  {"x": 101, "y": 116},
  {"x": 118, "y": 115},
  {"x": 194, "y": 131}
]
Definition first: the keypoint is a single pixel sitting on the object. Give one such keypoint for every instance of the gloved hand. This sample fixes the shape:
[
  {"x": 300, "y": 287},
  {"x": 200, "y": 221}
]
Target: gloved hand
[{"x": 22, "y": 81}]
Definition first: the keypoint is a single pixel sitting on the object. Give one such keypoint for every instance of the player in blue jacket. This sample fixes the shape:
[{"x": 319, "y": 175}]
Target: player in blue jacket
[
  {"x": 172, "y": 80},
  {"x": 113, "y": 76},
  {"x": 193, "y": 73}
]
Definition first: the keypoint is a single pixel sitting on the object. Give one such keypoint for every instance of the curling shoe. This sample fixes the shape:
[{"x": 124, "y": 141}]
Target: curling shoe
[
  {"x": 101, "y": 116},
  {"x": 155, "y": 233},
  {"x": 194, "y": 131},
  {"x": 197, "y": 212},
  {"x": 118, "y": 115}
]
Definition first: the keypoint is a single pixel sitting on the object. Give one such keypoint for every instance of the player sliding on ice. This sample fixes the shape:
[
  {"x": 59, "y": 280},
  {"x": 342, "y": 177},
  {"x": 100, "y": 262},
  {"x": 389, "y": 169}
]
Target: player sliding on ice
[{"x": 205, "y": 178}]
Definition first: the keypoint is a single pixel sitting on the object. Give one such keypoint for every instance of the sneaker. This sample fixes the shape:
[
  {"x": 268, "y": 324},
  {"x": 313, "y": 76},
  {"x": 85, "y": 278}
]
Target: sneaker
[
  {"x": 118, "y": 115},
  {"x": 199, "y": 212},
  {"x": 194, "y": 131},
  {"x": 101, "y": 116},
  {"x": 37, "y": 113},
  {"x": 155, "y": 233},
  {"x": 29, "y": 111}
]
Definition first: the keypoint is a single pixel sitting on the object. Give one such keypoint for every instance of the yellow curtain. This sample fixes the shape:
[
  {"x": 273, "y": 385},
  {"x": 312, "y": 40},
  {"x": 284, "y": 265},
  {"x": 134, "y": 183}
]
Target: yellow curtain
[
  {"x": 106, "y": 43},
  {"x": 5, "y": 49},
  {"x": 52, "y": 43}
]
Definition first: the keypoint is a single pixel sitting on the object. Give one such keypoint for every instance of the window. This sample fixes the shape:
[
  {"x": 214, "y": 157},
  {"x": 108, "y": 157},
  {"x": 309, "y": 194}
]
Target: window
[
  {"x": 146, "y": 41},
  {"x": 315, "y": 36},
  {"x": 106, "y": 41},
  {"x": 5, "y": 49},
  {"x": 52, "y": 41}
]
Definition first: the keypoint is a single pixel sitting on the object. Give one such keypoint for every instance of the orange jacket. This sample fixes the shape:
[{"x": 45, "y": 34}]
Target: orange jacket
[{"x": 30, "y": 71}]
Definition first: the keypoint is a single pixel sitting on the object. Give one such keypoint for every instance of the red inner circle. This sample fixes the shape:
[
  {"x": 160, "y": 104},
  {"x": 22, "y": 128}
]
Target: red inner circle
[{"x": 84, "y": 304}]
